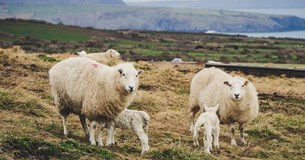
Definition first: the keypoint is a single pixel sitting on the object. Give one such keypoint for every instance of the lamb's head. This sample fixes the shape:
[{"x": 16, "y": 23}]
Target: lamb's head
[
  {"x": 129, "y": 79},
  {"x": 211, "y": 109},
  {"x": 236, "y": 88},
  {"x": 113, "y": 53}
]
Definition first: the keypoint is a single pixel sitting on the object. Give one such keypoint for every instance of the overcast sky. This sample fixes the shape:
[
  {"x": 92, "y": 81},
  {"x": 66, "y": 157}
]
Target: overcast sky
[{"x": 153, "y": 0}]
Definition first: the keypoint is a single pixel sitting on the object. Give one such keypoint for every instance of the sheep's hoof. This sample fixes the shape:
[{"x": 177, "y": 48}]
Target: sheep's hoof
[
  {"x": 93, "y": 143},
  {"x": 243, "y": 142},
  {"x": 233, "y": 142},
  {"x": 101, "y": 145}
]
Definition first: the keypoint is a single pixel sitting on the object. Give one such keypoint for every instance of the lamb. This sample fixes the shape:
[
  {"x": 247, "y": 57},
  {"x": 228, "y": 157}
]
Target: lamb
[
  {"x": 102, "y": 57},
  {"x": 237, "y": 98},
  {"x": 92, "y": 90},
  {"x": 210, "y": 122},
  {"x": 127, "y": 119}
]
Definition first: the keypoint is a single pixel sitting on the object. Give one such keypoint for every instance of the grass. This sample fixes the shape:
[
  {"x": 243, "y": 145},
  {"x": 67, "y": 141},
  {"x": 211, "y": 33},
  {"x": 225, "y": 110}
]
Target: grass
[
  {"x": 44, "y": 31},
  {"x": 31, "y": 128}
]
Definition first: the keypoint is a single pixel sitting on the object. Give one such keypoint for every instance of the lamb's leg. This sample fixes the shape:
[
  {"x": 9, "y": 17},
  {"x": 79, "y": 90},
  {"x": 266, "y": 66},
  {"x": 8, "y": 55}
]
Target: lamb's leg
[
  {"x": 193, "y": 112},
  {"x": 241, "y": 129},
  {"x": 82, "y": 119},
  {"x": 64, "y": 123},
  {"x": 143, "y": 138},
  {"x": 100, "y": 135},
  {"x": 195, "y": 138},
  {"x": 206, "y": 144},
  {"x": 232, "y": 131},
  {"x": 92, "y": 133},
  {"x": 216, "y": 136},
  {"x": 110, "y": 133}
]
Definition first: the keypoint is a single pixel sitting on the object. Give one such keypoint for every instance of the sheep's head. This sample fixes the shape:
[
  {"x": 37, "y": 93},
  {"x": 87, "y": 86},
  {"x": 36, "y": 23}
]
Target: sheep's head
[
  {"x": 114, "y": 53},
  {"x": 211, "y": 109},
  {"x": 237, "y": 88},
  {"x": 129, "y": 79}
]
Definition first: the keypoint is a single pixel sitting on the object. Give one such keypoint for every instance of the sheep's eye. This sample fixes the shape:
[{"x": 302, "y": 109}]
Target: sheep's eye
[
  {"x": 136, "y": 75},
  {"x": 123, "y": 74}
]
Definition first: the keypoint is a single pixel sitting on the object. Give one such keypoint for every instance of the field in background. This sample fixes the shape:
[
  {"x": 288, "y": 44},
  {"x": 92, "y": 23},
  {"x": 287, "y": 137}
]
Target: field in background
[
  {"x": 37, "y": 37},
  {"x": 31, "y": 127}
]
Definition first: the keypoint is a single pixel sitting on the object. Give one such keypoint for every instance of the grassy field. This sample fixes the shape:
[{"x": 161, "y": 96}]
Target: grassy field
[
  {"x": 35, "y": 36},
  {"x": 31, "y": 128}
]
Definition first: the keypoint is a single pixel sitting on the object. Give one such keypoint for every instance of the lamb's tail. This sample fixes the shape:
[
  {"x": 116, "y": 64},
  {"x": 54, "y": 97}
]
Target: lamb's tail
[
  {"x": 82, "y": 53},
  {"x": 146, "y": 119}
]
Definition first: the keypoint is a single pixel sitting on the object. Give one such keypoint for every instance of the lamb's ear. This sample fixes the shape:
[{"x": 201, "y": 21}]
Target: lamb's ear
[
  {"x": 205, "y": 107},
  {"x": 216, "y": 107},
  {"x": 120, "y": 71},
  {"x": 140, "y": 71},
  {"x": 245, "y": 83},
  {"x": 227, "y": 83}
]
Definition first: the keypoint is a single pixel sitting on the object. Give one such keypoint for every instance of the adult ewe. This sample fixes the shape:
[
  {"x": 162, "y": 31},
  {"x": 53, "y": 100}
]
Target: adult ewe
[
  {"x": 92, "y": 90},
  {"x": 102, "y": 57},
  {"x": 237, "y": 98},
  {"x": 127, "y": 119},
  {"x": 210, "y": 123}
]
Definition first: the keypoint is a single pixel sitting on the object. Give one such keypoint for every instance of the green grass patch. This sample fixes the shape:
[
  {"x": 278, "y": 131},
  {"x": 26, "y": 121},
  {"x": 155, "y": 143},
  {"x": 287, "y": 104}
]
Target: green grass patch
[
  {"x": 29, "y": 148},
  {"x": 44, "y": 31},
  {"x": 179, "y": 153},
  {"x": 46, "y": 58}
]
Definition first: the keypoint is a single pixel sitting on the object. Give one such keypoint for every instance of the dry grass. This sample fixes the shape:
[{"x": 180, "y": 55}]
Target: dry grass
[{"x": 31, "y": 127}]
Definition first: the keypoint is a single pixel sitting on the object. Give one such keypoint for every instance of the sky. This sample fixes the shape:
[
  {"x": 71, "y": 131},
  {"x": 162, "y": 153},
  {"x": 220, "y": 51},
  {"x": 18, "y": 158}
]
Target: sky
[{"x": 152, "y": 0}]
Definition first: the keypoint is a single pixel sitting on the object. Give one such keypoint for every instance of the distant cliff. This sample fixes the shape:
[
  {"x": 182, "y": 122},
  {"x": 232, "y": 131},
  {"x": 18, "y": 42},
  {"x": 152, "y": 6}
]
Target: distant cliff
[{"x": 114, "y": 16}]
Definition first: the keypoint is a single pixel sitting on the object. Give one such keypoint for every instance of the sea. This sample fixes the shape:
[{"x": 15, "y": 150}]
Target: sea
[{"x": 291, "y": 34}]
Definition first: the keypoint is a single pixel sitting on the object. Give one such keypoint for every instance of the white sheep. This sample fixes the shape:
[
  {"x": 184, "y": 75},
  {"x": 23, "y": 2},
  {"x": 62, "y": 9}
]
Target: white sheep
[
  {"x": 127, "y": 119},
  {"x": 210, "y": 122},
  {"x": 237, "y": 98},
  {"x": 92, "y": 90},
  {"x": 102, "y": 57}
]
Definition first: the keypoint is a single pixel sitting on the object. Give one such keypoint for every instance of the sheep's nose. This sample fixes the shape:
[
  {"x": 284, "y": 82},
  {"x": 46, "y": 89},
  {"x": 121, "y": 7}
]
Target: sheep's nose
[
  {"x": 236, "y": 95},
  {"x": 130, "y": 88}
]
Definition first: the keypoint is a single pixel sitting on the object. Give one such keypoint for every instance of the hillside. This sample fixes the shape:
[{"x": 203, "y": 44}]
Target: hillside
[
  {"x": 31, "y": 128},
  {"x": 38, "y": 36},
  {"x": 114, "y": 17}
]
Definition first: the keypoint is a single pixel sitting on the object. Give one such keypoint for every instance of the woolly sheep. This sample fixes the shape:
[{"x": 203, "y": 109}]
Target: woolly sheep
[
  {"x": 210, "y": 122},
  {"x": 102, "y": 57},
  {"x": 127, "y": 119},
  {"x": 237, "y": 98},
  {"x": 92, "y": 90}
]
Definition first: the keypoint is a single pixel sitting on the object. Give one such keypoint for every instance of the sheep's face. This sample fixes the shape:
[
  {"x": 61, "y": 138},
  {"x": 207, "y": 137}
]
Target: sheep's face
[
  {"x": 114, "y": 53},
  {"x": 129, "y": 79},
  {"x": 237, "y": 88}
]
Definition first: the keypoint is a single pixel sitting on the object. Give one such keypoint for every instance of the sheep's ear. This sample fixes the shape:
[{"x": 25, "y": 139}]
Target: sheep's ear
[
  {"x": 216, "y": 107},
  {"x": 140, "y": 71},
  {"x": 120, "y": 71},
  {"x": 227, "y": 83},
  {"x": 245, "y": 83},
  {"x": 205, "y": 107}
]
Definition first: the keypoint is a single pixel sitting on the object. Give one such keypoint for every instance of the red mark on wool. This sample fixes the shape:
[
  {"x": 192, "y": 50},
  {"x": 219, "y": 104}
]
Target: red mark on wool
[{"x": 94, "y": 65}]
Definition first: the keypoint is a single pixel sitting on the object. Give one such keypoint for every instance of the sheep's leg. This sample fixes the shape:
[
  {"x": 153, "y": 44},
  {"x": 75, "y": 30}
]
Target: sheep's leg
[
  {"x": 143, "y": 138},
  {"x": 195, "y": 138},
  {"x": 64, "y": 123},
  {"x": 92, "y": 133},
  {"x": 241, "y": 129},
  {"x": 232, "y": 131},
  {"x": 100, "y": 135},
  {"x": 82, "y": 119},
  {"x": 216, "y": 136},
  {"x": 193, "y": 111}
]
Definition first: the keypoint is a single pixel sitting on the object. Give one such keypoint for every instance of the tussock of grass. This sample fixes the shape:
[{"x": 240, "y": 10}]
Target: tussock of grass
[
  {"x": 180, "y": 153},
  {"x": 28, "y": 148}
]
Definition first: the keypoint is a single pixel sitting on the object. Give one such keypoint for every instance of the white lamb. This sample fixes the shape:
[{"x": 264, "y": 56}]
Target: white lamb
[
  {"x": 210, "y": 122},
  {"x": 92, "y": 90},
  {"x": 102, "y": 57},
  {"x": 127, "y": 119},
  {"x": 237, "y": 98}
]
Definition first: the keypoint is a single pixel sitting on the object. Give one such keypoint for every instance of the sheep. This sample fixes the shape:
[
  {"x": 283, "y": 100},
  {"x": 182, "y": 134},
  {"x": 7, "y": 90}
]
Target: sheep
[
  {"x": 102, "y": 57},
  {"x": 92, "y": 90},
  {"x": 237, "y": 98},
  {"x": 127, "y": 119},
  {"x": 210, "y": 122}
]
